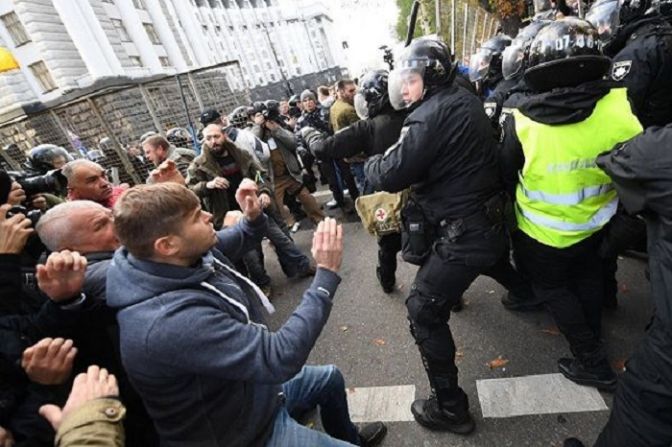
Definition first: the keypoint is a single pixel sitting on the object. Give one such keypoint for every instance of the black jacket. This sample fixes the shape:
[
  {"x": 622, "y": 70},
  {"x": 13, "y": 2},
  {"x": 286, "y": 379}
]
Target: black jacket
[
  {"x": 372, "y": 136},
  {"x": 643, "y": 63},
  {"x": 640, "y": 169},
  {"x": 446, "y": 152}
]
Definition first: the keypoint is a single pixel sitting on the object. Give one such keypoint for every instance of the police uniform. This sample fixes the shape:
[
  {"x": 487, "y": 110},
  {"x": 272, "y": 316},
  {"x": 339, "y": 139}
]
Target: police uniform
[
  {"x": 446, "y": 155},
  {"x": 373, "y": 136},
  {"x": 562, "y": 200},
  {"x": 642, "y": 411},
  {"x": 644, "y": 66}
]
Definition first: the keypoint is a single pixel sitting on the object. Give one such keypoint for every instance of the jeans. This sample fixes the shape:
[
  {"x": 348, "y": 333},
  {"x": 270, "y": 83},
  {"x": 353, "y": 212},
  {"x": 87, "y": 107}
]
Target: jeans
[
  {"x": 313, "y": 386},
  {"x": 291, "y": 260},
  {"x": 333, "y": 168},
  {"x": 360, "y": 178}
]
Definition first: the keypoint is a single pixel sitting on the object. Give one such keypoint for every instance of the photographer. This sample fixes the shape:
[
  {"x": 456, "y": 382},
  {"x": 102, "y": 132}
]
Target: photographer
[
  {"x": 286, "y": 173},
  {"x": 15, "y": 229}
]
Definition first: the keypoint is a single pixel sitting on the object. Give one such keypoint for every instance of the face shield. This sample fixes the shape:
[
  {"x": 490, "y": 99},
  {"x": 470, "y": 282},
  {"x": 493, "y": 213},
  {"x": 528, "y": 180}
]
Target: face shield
[
  {"x": 405, "y": 85},
  {"x": 604, "y": 17},
  {"x": 512, "y": 60},
  {"x": 480, "y": 64},
  {"x": 361, "y": 106}
]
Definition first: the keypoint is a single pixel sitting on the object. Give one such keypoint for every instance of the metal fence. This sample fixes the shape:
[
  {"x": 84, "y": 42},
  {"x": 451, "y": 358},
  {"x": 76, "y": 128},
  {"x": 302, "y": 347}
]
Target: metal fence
[
  {"x": 105, "y": 122},
  {"x": 465, "y": 26}
]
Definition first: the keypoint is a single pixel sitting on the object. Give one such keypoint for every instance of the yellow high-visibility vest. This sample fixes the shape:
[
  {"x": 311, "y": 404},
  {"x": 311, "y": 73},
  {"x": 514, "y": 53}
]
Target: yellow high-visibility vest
[{"x": 562, "y": 196}]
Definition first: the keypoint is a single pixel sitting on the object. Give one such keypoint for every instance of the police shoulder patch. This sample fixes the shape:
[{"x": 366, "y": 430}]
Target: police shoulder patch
[{"x": 620, "y": 70}]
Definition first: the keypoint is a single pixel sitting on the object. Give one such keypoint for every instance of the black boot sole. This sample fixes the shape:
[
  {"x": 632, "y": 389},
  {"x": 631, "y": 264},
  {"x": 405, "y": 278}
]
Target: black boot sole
[
  {"x": 602, "y": 385},
  {"x": 463, "y": 428}
]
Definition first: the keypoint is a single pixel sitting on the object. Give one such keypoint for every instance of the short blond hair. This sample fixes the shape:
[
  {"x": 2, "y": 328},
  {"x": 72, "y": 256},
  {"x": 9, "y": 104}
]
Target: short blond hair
[{"x": 146, "y": 213}]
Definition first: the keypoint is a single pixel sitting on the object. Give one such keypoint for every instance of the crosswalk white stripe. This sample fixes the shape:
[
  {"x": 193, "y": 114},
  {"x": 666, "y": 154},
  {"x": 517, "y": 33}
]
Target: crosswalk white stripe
[
  {"x": 381, "y": 403},
  {"x": 539, "y": 394}
]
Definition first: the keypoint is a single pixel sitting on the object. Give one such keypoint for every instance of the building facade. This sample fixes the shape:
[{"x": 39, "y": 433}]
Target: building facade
[{"x": 63, "y": 45}]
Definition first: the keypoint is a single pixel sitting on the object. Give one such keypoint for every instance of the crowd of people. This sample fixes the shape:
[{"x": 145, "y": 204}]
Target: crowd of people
[{"x": 136, "y": 315}]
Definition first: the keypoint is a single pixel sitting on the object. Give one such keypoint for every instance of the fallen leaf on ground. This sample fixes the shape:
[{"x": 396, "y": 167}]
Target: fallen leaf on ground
[
  {"x": 344, "y": 328},
  {"x": 499, "y": 362},
  {"x": 379, "y": 341},
  {"x": 490, "y": 292},
  {"x": 551, "y": 330}
]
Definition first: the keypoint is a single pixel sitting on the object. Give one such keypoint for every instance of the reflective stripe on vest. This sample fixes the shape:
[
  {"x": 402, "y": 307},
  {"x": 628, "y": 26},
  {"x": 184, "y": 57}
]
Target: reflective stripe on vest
[{"x": 562, "y": 196}]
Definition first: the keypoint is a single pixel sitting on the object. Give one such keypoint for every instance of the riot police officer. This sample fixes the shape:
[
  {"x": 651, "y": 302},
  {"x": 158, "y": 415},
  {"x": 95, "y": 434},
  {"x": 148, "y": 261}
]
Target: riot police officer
[
  {"x": 485, "y": 69},
  {"x": 639, "y": 40},
  {"x": 562, "y": 202},
  {"x": 452, "y": 223},
  {"x": 378, "y": 129},
  {"x": 512, "y": 88}
]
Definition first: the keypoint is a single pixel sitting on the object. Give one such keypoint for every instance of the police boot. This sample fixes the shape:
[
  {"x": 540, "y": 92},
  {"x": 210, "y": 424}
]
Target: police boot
[
  {"x": 449, "y": 415},
  {"x": 386, "y": 280},
  {"x": 589, "y": 370}
]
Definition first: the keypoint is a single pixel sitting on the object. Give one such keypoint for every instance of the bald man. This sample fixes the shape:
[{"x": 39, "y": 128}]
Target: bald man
[{"x": 87, "y": 181}]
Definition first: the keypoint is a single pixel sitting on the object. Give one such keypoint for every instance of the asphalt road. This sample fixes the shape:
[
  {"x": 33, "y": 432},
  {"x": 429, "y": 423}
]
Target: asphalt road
[{"x": 367, "y": 337}]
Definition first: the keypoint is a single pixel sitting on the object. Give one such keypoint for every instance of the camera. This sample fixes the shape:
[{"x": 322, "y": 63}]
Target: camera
[
  {"x": 32, "y": 215},
  {"x": 51, "y": 182}
]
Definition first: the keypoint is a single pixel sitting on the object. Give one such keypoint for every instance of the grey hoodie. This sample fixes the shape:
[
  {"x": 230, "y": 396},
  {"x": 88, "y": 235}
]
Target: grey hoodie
[{"x": 195, "y": 347}]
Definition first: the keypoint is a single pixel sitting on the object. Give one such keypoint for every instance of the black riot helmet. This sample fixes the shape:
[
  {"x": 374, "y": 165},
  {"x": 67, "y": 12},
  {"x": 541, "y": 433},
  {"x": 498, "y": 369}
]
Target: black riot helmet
[
  {"x": 46, "y": 157},
  {"x": 427, "y": 63},
  {"x": 372, "y": 96},
  {"x": 610, "y": 16},
  {"x": 486, "y": 64},
  {"x": 239, "y": 117},
  {"x": 179, "y": 136},
  {"x": 515, "y": 56},
  {"x": 565, "y": 53}
]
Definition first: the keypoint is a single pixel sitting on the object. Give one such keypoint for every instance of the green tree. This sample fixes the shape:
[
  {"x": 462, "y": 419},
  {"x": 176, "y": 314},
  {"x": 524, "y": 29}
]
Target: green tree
[{"x": 426, "y": 12}]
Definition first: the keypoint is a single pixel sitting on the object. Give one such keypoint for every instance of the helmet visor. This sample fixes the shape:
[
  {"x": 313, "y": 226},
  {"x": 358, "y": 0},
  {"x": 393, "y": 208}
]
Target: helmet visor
[
  {"x": 361, "y": 106},
  {"x": 512, "y": 60},
  {"x": 604, "y": 17},
  {"x": 480, "y": 64},
  {"x": 406, "y": 86}
]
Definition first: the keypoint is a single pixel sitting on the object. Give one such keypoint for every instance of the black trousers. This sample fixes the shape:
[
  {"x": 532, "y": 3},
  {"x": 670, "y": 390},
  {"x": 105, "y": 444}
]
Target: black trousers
[
  {"x": 388, "y": 247},
  {"x": 569, "y": 280},
  {"x": 439, "y": 284},
  {"x": 624, "y": 232},
  {"x": 642, "y": 413}
]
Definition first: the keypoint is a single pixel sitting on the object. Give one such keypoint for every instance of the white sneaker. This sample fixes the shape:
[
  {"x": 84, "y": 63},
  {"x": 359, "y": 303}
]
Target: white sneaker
[
  {"x": 332, "y": 204},
  {"x": 295, "y": 227},
  {"x": 346, "y": 192}
]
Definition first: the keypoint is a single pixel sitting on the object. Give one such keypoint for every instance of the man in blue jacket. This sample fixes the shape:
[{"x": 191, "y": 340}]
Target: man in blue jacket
[{"x": 192, "y": 334}]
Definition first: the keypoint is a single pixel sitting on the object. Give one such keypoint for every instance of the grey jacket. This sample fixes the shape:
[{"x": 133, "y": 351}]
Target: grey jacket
[{"x": 286, "y": 142}]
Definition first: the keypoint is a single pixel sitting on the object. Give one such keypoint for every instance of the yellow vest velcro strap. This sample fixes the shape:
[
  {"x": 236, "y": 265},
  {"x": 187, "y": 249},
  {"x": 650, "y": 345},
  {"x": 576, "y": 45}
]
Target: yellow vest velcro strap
[
  {"x": 572, "y": 198},
  {"x": 596, "y": 222}
]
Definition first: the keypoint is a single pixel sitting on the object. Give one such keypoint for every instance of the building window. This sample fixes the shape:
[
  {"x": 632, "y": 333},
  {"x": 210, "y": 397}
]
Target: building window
[
  {"x": 137, "y": 62},
  {"x": 109, "y": 1},
  {"x": 272, "y": 77},
  {"x": 165, "y": 62},
  {"x": 205, "y": 28},
  {"x": 41, "y": 73},
  {"x": 15, "y": 28},
  {"x": 121, "y": 30},
  {"x": 149, "y": 28},
  {"x": 139, "y": 4}
]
